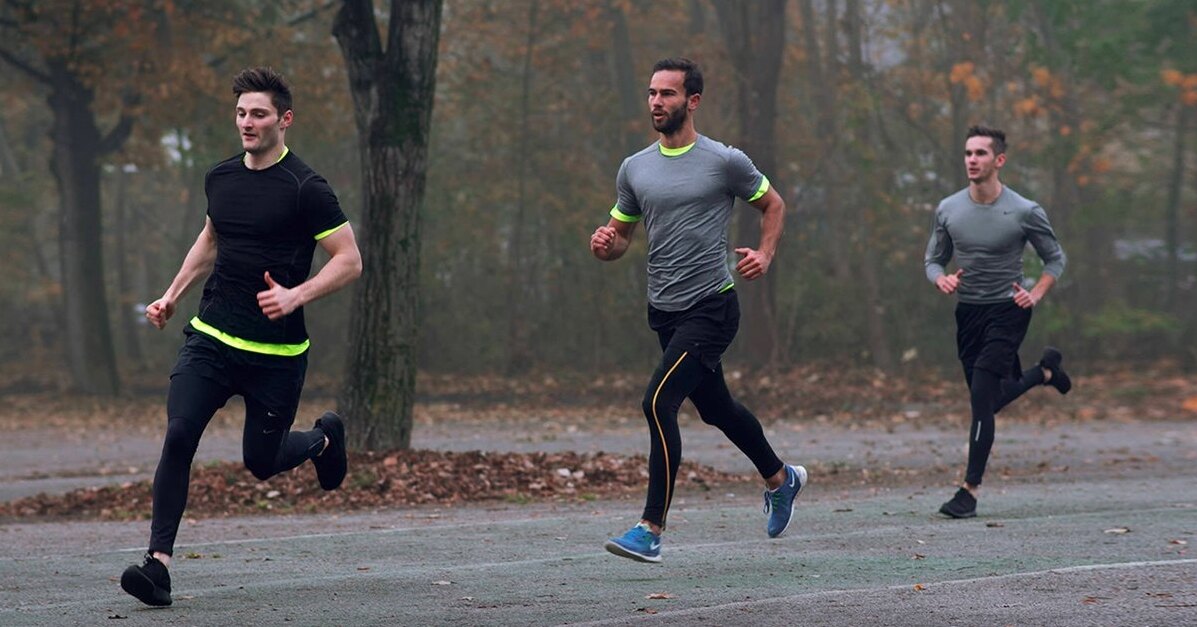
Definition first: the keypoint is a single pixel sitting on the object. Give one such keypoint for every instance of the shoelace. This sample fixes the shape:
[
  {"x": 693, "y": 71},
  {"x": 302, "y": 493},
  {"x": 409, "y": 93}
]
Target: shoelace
[{"x": 772, "y": 500}]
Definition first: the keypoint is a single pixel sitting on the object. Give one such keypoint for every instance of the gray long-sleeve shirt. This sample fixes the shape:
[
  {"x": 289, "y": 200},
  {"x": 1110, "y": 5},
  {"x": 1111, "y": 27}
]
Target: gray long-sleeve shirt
[{"x": 988, "y": 242}]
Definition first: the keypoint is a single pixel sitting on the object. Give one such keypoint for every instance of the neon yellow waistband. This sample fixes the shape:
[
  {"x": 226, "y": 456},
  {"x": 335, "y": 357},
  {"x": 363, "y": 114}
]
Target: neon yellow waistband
[{"x": 281, "y": 350}]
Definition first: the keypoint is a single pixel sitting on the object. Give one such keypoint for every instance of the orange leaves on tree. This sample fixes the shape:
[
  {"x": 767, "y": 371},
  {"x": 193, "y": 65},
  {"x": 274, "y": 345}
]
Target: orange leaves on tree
[
  {"x": 963, "y": 73},
  {"x": 1171, "y": 77},
  {"x": 1190, "y": 404},
  {"x": 1041, "y": 75},
  {"x": 1028, "y": 106},
  {"x": 1186, "y": 82}
]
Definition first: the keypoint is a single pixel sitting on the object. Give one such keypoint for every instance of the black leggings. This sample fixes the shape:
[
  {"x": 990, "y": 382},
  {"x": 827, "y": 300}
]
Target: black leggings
[
  {"x": 679, "y": 376},
  {"x": 988, "y": 395},
  {"x": 268, "y": 447}
]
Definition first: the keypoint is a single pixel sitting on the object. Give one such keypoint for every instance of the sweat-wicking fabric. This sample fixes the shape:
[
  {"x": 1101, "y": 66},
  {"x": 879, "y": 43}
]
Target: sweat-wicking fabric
[
  {"x": 988, "y": 241},
  {"x": 689, "y": 339},
  {"x": 267, "y": 220},
  {"x": 685, "y": 198}
]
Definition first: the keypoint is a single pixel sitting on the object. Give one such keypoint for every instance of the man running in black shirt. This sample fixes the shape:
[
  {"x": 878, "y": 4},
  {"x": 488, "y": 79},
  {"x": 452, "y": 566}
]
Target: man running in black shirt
[{"x": 267, "y": 210}]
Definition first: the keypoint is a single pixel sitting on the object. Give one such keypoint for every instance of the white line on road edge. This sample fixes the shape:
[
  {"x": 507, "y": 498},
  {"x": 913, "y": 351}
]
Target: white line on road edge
[{"x": 697, "y": 611}]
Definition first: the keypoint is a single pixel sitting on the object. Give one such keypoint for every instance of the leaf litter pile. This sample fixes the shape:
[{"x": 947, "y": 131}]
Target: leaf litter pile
[
  {"x": 375, "y": 481},
  {"x": 854, "y": 399}
]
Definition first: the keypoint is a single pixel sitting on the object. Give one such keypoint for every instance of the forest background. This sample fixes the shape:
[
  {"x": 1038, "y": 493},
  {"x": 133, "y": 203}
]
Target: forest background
[{"x": 855, "y": 109}]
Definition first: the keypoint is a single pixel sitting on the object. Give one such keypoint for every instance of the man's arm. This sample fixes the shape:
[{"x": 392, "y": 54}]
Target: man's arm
[
  {"x": 610, "y": 242},
  {"x": 756, "y": 262},
  {"x": 343, "y": 267},
  {"x": 1026, "y": 299},
  {"x": 1043, "y": 239},
  {"x": 939, "y": 253},
  {"x": 196, "y": 265}
]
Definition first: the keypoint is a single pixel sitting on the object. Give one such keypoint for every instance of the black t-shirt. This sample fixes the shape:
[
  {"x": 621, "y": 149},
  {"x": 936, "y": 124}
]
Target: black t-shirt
[{"x": 265, "y": 220}]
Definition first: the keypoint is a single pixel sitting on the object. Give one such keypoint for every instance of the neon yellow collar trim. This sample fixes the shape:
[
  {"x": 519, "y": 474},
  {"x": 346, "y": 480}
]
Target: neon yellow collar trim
[
  {"x": 286, "y": 149},
  {"x": 676, "y": 152}
]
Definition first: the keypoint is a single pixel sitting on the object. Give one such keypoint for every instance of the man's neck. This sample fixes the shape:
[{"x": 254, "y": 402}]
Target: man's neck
[
  {"x": 985, "y": 192},
  {"x": 681, "y": 138},
  {"x": 263, "y": 160}
]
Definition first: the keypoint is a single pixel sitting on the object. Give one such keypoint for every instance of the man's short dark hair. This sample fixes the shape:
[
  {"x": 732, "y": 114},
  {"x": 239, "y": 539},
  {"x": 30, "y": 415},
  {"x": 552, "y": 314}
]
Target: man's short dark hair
[
  {"x": 693, "y": 80},
  {"x": 998, "y": 137},
  {"x": 265, "y": 80}
]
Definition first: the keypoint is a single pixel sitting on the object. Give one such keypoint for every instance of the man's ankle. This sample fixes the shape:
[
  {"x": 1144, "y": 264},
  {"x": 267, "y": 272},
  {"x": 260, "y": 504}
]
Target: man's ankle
[
  {"x": 161, "y": 557},
  {"x": 655, "y": 528},
  {"x": 1047, "y": 374},
  {"x": 974, "y": 490}
]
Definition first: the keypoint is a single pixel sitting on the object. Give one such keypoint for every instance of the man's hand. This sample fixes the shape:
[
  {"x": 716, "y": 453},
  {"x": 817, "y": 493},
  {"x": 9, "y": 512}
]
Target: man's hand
[
  {"x": 754, "y": 264},
  {"x": 947, "y": 283},
  {"x": 159, "y": 311},
  {"x": 277, "y": 301},
  {"x": 1023, "y": 298},
  {"x": 602, "y": 241}
]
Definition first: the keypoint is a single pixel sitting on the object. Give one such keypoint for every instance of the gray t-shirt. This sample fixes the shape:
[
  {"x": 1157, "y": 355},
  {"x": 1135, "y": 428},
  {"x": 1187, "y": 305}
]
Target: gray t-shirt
[
  {"x": 685, "y": 197},
  {"x": 988, "y": 241}
]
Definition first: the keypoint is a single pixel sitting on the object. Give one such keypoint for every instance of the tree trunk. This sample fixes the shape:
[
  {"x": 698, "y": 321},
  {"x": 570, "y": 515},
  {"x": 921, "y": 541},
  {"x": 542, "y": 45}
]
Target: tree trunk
[
  {"x": 519, "y": 352},
  {"x": 1172, "y": 209},
  {"x": 392, "y": 93},
  {"x": 869, "y": 257},
  {"x": 75, "y": 162},
  {"x": 126, "y": 254},
  {"x": 755, "y": 36},
  {"x": 632, "y": 107}
]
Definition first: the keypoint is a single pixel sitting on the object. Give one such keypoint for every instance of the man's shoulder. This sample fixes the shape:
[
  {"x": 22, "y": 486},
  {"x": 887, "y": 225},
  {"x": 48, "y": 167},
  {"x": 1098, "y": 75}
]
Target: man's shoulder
[
  {"x": 231, "y": 164},
  {"x": 960, "y": 198},
  {"x": 641, "y": 154},
  {"x": 1014, "y": 200},
  {"x": 298, "y": 168},
  {"x": 715, "y": 147}
]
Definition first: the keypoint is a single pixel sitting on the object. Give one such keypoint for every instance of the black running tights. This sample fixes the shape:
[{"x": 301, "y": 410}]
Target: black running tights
[
  {"x": 988, "y": 395},
  {"x": 681, "y": 375},
  {"x": 268, "y": 448}
]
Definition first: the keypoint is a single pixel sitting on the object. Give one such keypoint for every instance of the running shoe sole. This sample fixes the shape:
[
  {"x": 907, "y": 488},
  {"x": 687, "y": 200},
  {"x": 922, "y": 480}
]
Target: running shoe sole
[
  {"x": 143, "y": 588},
  {"x": 615, "y": 548}
]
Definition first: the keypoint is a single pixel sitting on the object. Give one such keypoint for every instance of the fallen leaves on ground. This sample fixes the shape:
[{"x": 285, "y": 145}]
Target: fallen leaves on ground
[{"x": 378, "y": 480}]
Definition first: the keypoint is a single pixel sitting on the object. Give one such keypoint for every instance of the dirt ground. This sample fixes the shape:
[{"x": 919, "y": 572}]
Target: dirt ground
[{"x": 1087, "y": 517}]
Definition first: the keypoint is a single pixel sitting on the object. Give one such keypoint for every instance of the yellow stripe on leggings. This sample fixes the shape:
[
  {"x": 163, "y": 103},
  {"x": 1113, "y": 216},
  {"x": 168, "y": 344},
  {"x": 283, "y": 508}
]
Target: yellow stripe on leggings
[{"x": 661, "y": 432}]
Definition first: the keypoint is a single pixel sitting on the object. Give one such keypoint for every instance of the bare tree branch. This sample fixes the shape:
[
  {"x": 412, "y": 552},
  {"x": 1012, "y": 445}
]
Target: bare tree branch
[
  {"x": 25, "y": 67},
  {"x": 117, "y": 136}
]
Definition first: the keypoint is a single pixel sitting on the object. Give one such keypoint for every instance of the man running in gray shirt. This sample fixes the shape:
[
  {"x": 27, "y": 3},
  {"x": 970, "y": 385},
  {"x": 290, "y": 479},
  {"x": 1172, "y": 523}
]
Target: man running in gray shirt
[
  {"x": 987, "y": 226},
  {"x": 683, "y": 188}
]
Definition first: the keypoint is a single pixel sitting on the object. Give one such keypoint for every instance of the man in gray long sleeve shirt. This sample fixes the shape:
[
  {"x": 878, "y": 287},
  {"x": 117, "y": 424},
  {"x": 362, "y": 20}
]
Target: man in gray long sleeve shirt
[{"x": 986, "y": 226}]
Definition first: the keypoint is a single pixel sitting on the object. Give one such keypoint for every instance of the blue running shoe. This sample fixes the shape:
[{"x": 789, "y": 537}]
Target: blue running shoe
[
  {"x": 639, "y": 543},
  {"x": 779, "y": 503}
]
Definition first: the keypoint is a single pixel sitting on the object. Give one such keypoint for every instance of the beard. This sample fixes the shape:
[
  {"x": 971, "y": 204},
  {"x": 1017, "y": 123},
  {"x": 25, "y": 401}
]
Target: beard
[{"x": 672, "y": 122}]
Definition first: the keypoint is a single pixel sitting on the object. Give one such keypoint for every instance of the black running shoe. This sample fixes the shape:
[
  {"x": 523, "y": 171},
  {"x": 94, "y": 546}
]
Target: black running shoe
[
  {"x": 1052, "y": 357},
  {"x": 149, "y": 582},
  {"x": 962, "y": 505},
  {"x": 332, "y": 463}
]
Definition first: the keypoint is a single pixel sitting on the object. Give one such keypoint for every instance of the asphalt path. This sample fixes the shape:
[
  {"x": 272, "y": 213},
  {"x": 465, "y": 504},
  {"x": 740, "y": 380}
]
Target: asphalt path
[{"x": 1080, "y": 524}]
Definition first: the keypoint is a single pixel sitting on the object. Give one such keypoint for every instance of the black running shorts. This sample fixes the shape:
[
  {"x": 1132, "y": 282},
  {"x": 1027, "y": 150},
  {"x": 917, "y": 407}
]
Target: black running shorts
[
  {"x": 706, "y": 329},
  {"x": 274, "y": 381},
  {"x": 988, "y": 337}
]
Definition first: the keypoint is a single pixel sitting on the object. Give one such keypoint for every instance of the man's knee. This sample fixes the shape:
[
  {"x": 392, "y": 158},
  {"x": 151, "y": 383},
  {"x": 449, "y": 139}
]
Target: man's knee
[
  {"x": 648, "y": 404},
  {"x": 260, "y": 468},
  {"x": 181, "y": 438}
]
